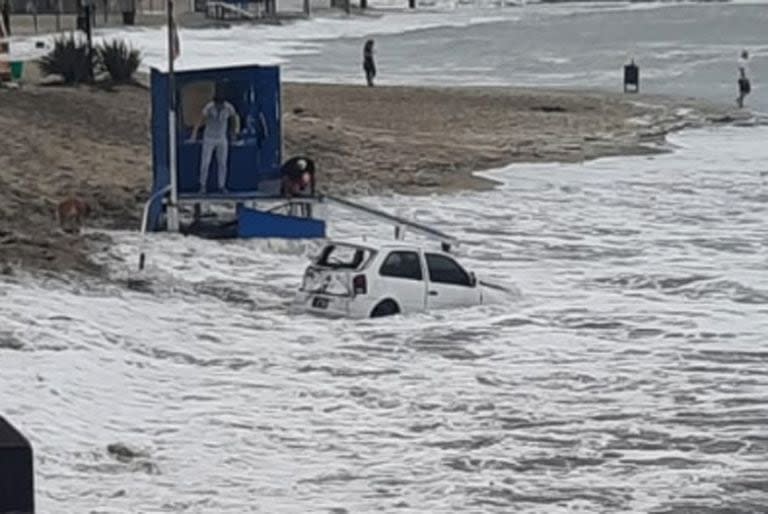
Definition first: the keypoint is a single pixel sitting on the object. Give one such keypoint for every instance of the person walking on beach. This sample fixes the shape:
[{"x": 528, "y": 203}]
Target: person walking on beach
[
  {"x": 368, "y": 65},
  {"x": 216, "y": 116},
  {"x": 744, "y": 85}
]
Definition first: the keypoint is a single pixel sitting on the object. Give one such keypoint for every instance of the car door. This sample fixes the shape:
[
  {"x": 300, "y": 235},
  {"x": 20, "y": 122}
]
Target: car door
[
  {"x": 449, "y": 284},
  {"x": 401, "y": 278}
]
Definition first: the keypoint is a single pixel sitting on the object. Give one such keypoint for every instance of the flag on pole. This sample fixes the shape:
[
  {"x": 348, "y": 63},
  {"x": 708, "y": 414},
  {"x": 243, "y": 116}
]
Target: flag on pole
[{"x": 176, "y": 46}]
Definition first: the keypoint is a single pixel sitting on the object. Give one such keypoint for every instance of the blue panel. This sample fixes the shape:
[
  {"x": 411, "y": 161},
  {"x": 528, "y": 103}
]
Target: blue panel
[{"x": 253, "y": 223}]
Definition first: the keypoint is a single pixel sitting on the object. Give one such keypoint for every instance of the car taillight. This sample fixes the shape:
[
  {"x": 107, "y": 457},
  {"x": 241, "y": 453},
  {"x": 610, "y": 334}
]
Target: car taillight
[{"x": 359, "y": 284}]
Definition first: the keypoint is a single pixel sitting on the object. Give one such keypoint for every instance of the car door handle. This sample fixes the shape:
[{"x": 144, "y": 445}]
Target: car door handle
[{"x": 433, "y": 293}]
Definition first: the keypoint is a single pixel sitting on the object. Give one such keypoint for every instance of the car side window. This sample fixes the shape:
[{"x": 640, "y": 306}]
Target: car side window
[
  {"x": 402, "y": 265},
  {"x": 445, "y": 270}
]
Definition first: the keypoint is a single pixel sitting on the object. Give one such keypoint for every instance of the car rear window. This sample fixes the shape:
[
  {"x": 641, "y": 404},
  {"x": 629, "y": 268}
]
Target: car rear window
[
  {"x": 344, "y": 257},
  {"x": 445, "y": 270},
  {"x": 402, "y": 265}
]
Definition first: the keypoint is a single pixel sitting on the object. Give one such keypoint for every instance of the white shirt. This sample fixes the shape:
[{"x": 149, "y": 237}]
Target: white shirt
[{"x": 217, "y": 121}]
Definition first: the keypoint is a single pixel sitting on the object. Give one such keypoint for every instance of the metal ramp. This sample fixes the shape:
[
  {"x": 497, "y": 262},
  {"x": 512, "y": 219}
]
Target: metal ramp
[{"x": 399, "y": 223}]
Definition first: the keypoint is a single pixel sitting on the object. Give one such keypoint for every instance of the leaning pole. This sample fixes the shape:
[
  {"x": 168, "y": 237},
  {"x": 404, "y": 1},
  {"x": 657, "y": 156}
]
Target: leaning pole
[{"x": 172, "y": 211}]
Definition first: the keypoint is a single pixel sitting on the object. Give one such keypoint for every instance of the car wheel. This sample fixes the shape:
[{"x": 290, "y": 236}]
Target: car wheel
[{"x": 385, "y": 308}]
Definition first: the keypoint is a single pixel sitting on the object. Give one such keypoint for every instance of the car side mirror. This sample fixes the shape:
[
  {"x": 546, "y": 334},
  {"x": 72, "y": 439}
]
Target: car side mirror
[{"x": 472, "y": 279}]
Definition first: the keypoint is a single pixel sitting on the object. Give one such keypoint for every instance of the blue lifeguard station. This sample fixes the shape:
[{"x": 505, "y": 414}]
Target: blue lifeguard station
[
  {"x": 253, "y": 165},
  {"x": 251, "y": 203}
]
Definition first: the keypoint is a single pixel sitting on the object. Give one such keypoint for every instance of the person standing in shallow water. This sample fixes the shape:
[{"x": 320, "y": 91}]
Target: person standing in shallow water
[
  {"x": 744, "y": 85},
  {"x": 368, "y": 65}
]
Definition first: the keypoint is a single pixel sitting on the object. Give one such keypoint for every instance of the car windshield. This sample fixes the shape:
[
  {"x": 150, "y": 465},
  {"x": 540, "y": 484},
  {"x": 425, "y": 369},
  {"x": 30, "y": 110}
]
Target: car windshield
[{"x": 344, "y": 257}]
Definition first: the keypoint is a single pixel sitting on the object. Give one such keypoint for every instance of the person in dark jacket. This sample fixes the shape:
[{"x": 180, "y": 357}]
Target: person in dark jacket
[
  {"x": 368, "y": 65},
  {"x": 298, "y": 177},
  {"x": 744, "y": 85}
]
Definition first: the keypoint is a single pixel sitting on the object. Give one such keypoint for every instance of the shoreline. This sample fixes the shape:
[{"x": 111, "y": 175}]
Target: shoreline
[
  {"x": 95, "y": 144},
  {"x": 469, "y": 129}
]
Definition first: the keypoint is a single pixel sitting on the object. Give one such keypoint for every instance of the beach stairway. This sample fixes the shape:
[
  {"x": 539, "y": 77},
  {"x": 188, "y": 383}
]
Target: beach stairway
[{"x": 235, "y": 10}]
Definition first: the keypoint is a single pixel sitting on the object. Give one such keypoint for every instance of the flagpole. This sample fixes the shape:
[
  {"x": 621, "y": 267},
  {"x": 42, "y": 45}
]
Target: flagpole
[{"x": 172, "y": 212}]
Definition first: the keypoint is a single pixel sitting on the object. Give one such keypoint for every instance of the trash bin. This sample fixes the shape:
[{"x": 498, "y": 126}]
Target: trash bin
[
  {"x": 129, "y": 17},
  {"x": 631, "y": 77},
  {"x": 82, "y": 22},
  {"x": 17, "y": 68}
]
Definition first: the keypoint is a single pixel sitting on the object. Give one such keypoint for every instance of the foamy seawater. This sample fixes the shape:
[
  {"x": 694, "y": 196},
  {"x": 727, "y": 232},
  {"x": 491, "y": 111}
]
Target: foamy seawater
[{"x": 630, "y": 375}]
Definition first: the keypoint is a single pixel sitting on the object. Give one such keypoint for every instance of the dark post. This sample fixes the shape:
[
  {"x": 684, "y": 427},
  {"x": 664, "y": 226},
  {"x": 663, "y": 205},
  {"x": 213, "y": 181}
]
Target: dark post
[
  {"x": 34, "y": 16},
  {"x": 363, "y": 4},
  {"x": 89, "y": 37},
  {"x": 347, "y": 6},
  {"x": 306, "y": 8},
  {"x": 412, "y": 4},
  {"x": 631, "y": 77},
  {"x": 59, "y": 8},
  {"x": 7, "y": 16},
  {"x": 17, "y": 477}
]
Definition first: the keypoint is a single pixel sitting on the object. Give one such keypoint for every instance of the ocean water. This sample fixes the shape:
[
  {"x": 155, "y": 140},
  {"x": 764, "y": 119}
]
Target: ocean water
[
  {"x": 682, "y": 49},
  {"x": 267, "y": 44},
  {"x": 628, "y": 374}
]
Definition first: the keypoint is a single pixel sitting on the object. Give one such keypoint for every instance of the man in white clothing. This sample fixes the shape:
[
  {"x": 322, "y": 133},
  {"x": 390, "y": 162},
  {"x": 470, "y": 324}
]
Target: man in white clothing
[{"x": 216, "y": 116}]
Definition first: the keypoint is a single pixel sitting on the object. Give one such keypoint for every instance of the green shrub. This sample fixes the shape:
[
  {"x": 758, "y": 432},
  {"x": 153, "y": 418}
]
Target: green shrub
[
  {"x": 69, "y": 59},
  {"x": 119, "y": 60}
]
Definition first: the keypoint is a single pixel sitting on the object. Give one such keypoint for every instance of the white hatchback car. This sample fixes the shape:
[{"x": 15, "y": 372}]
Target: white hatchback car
[{"x": 365, "y": 281}]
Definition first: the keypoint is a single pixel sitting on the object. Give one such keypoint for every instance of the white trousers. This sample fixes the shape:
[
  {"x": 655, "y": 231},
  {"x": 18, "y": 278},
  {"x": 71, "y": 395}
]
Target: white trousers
[{"x": 222, "y": 151}]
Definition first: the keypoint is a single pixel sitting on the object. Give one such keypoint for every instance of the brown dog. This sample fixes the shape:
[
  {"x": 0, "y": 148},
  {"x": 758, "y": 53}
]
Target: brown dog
[{"x": 72, "y": 213}]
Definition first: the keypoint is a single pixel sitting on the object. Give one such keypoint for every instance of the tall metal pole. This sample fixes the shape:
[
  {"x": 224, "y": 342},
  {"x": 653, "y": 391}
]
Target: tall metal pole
[
  {"x": 172, "y": 211},
  {"x": 59, "y": 9},
  {"x": 89, "y": 38},
  {"x": 34, "y": 16},
  {"x": 7, "y": 17}
]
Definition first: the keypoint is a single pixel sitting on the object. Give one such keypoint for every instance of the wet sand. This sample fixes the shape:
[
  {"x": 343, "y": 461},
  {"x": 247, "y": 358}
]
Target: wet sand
[{"x": 95, "y": 144}]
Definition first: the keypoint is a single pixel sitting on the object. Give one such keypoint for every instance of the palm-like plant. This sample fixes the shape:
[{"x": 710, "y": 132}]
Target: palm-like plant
[
  {"x": 68, "y": 59},
  {"x": 119, "y": 59}
]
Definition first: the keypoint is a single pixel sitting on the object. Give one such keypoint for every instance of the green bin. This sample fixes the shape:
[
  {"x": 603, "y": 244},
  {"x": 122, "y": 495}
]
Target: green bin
[{"x": 17, "y": 68}]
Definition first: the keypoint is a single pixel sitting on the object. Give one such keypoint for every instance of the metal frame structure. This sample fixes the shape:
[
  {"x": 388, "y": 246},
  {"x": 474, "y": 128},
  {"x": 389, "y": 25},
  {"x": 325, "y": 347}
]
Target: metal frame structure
[{"x": 303, "y": 206}]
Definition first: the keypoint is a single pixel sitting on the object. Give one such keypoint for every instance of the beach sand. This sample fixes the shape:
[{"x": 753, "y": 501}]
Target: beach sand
[{"x": 95, "y": 144}]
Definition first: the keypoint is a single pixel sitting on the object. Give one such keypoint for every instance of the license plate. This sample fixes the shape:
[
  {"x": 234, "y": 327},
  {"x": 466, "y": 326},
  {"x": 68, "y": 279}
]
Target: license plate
[{"x": 319, "y": 303}]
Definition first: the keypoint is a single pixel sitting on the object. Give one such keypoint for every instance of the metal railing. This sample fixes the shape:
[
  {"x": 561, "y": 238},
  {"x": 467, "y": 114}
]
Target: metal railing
[
  {"x": 397, "y": 221},
  {"x": 145, "y": 221}
]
